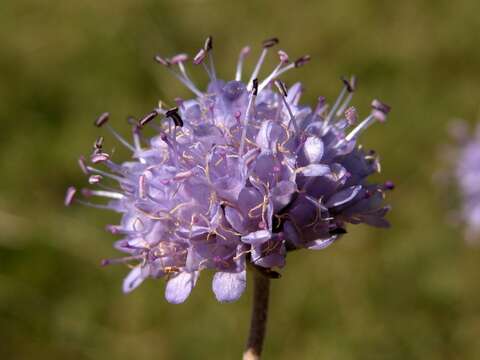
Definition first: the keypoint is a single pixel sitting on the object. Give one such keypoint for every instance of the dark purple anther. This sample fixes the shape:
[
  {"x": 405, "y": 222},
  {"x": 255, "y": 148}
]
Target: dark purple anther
[
  {"x": 282, "y": 88},
  {"x": 302, "y": 61},
  {"x": 175, "y": 116},
  {"x": 270, "y": 42},
  {"x": 255, "y": 87},
  {"x": 350, "y": 83},
  {"x": 380, "y": 110},
  {"x": 147, "y": 118},
  {"x": 102, "y": 119},
  {"x": 208, "y": 44},
  {"x": 97, "y": 145}
]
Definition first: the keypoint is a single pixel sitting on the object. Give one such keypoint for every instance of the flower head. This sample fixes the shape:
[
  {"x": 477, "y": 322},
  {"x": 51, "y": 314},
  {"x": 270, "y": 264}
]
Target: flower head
[
  {"x": 464, "y": 173},
  {"x": 240, "y": 174}
]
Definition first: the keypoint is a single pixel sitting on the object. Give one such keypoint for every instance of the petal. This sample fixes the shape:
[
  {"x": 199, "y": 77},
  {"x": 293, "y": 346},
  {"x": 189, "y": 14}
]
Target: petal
[
  {"x": 313, "y": 149},
  {"x": 272, "y": 260},
  {"x": 282, "y": 194},
  {"x": 293, "y": 93},
  {"x": 320, "y": 244},
  {"x": 291, "y": 234},
  {"x": 133, "y": 279},
  {"x": 314, "y": 170},
  {"x": 257, "y": 237},
  {"x": 179, "y": 287},
  {"x": 235, "y": 219},
  {"x": 229, "y": 287},
  {"x": 263, "y": 135},
  {"x": 343, "y": 196}
]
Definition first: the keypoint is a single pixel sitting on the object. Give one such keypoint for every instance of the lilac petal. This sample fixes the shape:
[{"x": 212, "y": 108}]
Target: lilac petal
[
  {"x": 179, "y": 288},
  {"x": 229, "y": 287},
  {"x": 344, "y": 196},
  {"x": 282, "y": 194},
  {"x": 263, "y": 135},
  {"x": 314, "y": 170},
  {"x": 235, "y": 218},
  {"x": 321, "y": 243},
  {"x": 272, "y": 260},
  {"x": 313, "y": 149},
  {"x": 293, "y": 92},
  {"x": 291, "y": 234},
  {"x": 257, "y": 237},
  {"x": 133, "y": 279}
]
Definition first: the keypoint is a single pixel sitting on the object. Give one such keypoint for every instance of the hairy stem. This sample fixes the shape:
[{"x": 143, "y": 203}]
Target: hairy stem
[{"x": 258, "y": 322}]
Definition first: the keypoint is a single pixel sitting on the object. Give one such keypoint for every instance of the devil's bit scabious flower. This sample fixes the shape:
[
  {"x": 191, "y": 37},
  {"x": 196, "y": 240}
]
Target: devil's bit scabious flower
[
  {"x": 464, "y": 173},
  {"x": 238, "y": 175}
]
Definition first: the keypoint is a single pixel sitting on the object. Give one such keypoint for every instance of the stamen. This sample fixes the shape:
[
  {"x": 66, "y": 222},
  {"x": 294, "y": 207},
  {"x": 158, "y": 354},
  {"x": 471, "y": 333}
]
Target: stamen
[
  {"x": 122, "y": 260},
  {"x": 208, "y": 47},
  {"x": 321, "y": 105},
  {"x": 351, "y": 115},
  {"x": 283, "y": 91},
  {"x": 179, "y": 58},
  {"x": 106, "y": 174},
  {"x": 283, "y": 56},
  {"x": 251, "y": 100},
  {"x": 99, "y": 157},
  {"x": 184, "y": 80},
  {"x": 335, "y": 106},
  {"x": 274, "y": 74},
  {"x": 198, "y": 59},
  {"x": 380, "y": 110},
  {"x": 147, "y": 118},
  {"x": 241, "y": 58},
  {"x": 208, "y": 44},
  {"x": 267, "y": 44},
  {"x": 162, "y": 61},
  {"x": 120, "y": 138},
  {"x": 97, "y": 145},
  {"x": 296, "y": 64},
  {"x": 136, "y": 140},
  {"x": 96, "y": 206},
  {"x": 360, "y": 128},
  {"x": 142, "y": 186},
  {"x": 82, "y": 164},
  {"x": 302, "y": 61},
  {"x": 102, "y": 193},
  {"x": 70, "y": 194},
  {"x": 351, "y": 87},
  {"x": 94, "y": 179},
  {"x": 175, "y": 116},
  {"x": 102, "y": 119}
]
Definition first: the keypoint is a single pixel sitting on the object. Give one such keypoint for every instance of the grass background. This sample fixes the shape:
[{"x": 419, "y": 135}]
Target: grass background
[{"x": 411, "y": 292}]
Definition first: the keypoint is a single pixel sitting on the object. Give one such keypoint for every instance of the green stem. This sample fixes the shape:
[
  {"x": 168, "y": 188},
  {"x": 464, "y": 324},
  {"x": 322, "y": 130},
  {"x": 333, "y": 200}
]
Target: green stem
[{"x": 258, "y": 322}]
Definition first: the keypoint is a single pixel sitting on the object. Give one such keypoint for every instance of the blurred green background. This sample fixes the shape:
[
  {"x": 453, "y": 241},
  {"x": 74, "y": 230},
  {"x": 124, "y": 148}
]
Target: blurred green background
[{"x": 411, "y": 292}]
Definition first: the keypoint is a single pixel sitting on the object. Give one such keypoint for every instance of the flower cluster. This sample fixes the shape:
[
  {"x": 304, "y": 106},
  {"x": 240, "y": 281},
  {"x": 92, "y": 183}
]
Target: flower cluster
[
  {"x": 239, "y": 175},
  {"x": 464, "y": 173}
]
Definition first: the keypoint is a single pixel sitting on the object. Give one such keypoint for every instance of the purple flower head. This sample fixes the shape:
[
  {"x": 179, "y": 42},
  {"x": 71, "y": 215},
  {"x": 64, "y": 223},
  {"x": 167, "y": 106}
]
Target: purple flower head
[
  {"x": 464, "y": 158},
  {"x": 240, "y": 174}
]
